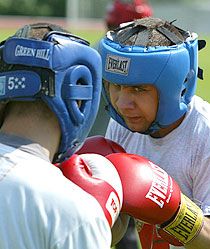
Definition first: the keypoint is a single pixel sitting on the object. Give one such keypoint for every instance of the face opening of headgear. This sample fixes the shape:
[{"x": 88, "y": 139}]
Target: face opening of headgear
[
  {"x": 129, "y": 57},
  {"x": 60, "y": 69}
]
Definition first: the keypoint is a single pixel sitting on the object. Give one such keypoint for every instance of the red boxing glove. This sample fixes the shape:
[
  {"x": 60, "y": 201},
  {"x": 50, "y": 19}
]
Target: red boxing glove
[
  {"x": 98, "y": 177},
  {"x": 152, "y": 196},
  {"x": 100, "y": 145},
  {"x": 150, "y": 239}
]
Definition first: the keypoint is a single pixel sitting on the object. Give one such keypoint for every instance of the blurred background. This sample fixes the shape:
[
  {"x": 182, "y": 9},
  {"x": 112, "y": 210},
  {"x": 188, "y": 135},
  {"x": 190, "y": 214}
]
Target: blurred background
[
  {"x": 89, "y": 14},
  {"x": 86, "y": 18}
]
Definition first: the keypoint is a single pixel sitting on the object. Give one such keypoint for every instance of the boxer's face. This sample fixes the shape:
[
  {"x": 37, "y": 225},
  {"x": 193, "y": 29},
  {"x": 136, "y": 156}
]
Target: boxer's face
[{"x": 137, "y": 105}]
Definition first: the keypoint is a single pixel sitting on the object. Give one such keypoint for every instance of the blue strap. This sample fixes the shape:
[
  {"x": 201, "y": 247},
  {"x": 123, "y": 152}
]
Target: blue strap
[
  {"x": 19, "y": 84},
  {"x": 28, "y": 52}
]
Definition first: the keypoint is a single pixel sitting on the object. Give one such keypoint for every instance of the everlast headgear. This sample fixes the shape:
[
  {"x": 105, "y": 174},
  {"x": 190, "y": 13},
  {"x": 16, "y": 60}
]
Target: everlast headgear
[
  {"x": 172, "y": 69},
  {"x": 60, "y": 69}
]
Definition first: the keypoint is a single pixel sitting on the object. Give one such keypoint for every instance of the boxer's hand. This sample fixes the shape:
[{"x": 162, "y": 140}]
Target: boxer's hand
[
  {"x": 99, "y": 145},
  {"x": 152, "y": 196},
  {"x": 97, "y": 176}
]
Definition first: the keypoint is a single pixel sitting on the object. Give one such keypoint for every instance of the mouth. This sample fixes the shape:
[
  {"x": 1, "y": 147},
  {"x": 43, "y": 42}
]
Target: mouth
[{"x": 135, "y": 119}]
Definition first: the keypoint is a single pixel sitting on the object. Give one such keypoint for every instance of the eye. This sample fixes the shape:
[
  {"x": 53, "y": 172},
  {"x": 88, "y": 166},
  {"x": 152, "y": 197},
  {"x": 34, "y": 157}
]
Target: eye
[
  {"x": 116, "y": 86},
  {"x": 139, "y": 89}
]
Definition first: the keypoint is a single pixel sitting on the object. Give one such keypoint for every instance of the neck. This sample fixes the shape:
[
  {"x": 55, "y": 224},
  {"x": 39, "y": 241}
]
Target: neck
[
  {"x": 165, "y": 131},
  {"x": 45, "y": 133}
]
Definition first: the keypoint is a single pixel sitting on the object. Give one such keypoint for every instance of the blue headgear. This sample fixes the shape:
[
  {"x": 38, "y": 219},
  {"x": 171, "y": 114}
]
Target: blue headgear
[
  {"x": 61, "y": 70},
  {"x": 171, "y": 69}
]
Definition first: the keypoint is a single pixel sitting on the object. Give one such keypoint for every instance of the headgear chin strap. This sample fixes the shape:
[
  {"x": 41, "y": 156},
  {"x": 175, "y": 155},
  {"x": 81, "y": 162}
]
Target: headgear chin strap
[
  {"x": 64, "y": 72},
  {"x": 171, "y": 69}
]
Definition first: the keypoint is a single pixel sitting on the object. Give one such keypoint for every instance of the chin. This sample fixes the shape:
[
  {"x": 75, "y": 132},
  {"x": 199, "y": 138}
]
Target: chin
[{"x": 135, "y": 129}]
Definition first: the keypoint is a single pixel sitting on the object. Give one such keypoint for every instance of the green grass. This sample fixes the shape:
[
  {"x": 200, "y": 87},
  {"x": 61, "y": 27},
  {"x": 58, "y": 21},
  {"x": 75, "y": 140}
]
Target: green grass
[
  {"x": 203, "y": 86},
  {"x": 91, "y": 35},
  {"x": 4, "y": 33}
]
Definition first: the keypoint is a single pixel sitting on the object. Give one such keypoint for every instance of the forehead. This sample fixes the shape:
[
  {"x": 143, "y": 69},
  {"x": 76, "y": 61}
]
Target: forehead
[{"x": 142, "y": 85}]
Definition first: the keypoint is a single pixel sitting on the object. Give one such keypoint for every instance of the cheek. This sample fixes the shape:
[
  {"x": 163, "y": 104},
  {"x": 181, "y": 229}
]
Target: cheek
[
  {"x": 148, "y": 104},
  {"x": 113, "y": 95}
]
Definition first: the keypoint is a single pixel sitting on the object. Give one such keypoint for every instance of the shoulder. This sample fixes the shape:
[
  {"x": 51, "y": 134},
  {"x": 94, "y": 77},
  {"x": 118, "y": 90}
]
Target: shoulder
[
  {"x": 200, "y": 109},
  {"x": 197, "y": 125}
]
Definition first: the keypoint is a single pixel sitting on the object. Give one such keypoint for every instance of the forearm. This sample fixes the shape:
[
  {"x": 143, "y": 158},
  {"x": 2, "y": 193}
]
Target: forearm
[
  {"x": 202, "y": 241},
  {"x": 119, "y": 228}
]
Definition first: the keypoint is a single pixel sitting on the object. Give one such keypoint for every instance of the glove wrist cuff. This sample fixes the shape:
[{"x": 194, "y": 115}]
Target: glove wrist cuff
[{"x": 187, "y": 223}]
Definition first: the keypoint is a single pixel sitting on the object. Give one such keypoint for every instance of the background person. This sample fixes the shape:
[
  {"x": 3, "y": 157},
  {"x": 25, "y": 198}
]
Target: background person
[
  {"x": 150, "y": 92},
  {"x": 120, "y": 11}
]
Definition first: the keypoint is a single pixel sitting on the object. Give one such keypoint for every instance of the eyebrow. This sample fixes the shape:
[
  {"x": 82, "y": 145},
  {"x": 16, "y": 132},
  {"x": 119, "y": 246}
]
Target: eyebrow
[{"x": 141, "y": 86}]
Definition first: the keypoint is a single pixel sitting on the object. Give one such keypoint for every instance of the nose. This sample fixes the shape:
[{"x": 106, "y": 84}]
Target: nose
[{"x": 125, "y": 100}]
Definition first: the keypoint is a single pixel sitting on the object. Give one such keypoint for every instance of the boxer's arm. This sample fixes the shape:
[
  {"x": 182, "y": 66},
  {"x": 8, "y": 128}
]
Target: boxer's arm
[
  {"x": 120, "y": 227},
  {"x": 202, "y": 241}
]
